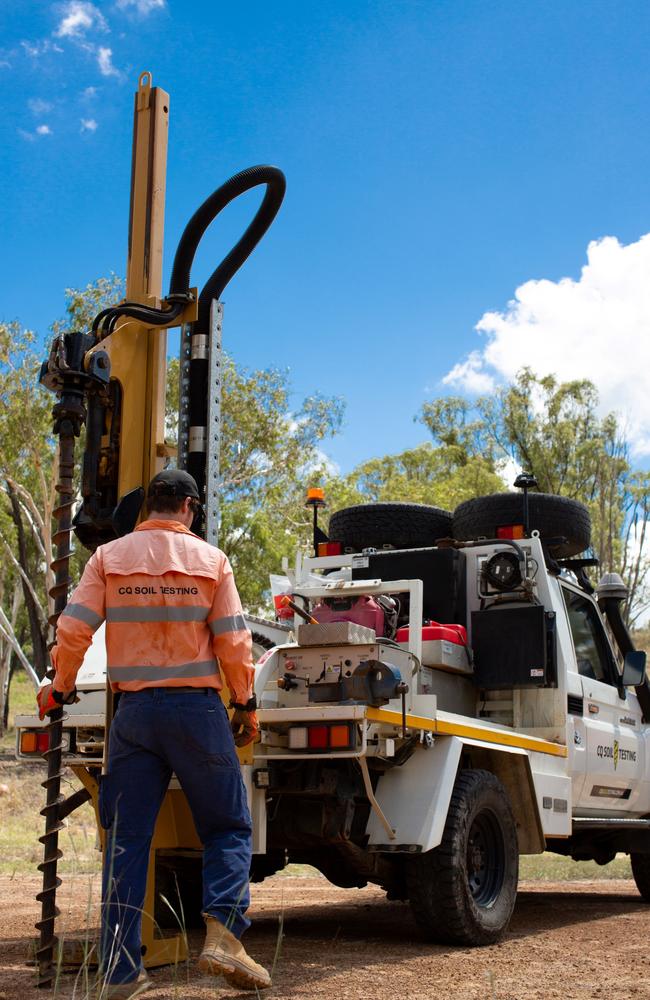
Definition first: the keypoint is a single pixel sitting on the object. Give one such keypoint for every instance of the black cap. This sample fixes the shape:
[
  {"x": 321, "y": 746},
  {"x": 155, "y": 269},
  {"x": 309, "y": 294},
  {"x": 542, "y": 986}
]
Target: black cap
[{"x": 173, "y": 483}]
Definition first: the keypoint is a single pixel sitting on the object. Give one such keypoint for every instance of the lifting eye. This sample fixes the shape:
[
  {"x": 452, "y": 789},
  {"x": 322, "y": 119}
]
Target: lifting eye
[{"x": 502, "y": 571}]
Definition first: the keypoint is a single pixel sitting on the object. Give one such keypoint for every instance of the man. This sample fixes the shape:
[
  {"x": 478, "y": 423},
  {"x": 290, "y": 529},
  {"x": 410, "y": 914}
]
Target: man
[{"x": 173, "y": 616}]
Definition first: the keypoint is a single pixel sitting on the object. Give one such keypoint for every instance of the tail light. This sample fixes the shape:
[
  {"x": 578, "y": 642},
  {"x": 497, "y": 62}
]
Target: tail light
[
  {"x": 28, "y": 742},
  {"x": 330, "y": 548},
  {"x": 512, "y": 531},
  {"x": 34, "y": 742},
  {"x": 322, "y": 737}
]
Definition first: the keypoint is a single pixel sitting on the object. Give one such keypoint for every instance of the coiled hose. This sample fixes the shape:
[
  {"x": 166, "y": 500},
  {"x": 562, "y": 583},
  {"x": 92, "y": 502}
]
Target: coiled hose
[
  {"x": 195, "y": 229},
  {"x": 179, "y": 285}
]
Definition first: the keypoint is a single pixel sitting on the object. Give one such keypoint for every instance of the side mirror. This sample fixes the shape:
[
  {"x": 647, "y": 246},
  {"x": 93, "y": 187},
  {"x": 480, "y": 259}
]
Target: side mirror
[{"x": 633, "y": 668}]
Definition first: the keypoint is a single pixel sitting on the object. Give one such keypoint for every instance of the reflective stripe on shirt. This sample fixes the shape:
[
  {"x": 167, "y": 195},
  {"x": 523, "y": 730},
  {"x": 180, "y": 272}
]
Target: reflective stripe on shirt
[
  {"x": 232, "y": 623},
  {"x": 205, "y": 668},
  {"x": 83, "y": 614},
  {"x": 189, "y": 613}
]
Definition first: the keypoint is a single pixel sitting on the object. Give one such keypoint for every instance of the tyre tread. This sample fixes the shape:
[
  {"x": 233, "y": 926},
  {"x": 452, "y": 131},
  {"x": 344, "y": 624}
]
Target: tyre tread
[
  {"x": 641, "y": 872},
  {"x": 434, "y": 890},
  {"x": 551, "y": 515},
  {"x": 399, "y": 525}
]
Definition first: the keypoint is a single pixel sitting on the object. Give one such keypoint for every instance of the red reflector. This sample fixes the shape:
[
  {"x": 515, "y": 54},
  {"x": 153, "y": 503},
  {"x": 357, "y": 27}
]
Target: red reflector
[
  {"x": 318, "y": 737},
  {"x": 42, "y": 742},
  {"x": 511, "y": 531},
  {"x": 329, "y": 548}
]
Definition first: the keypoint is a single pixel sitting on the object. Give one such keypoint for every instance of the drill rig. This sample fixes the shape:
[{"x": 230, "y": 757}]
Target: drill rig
[{"x": 110, "y": 382}]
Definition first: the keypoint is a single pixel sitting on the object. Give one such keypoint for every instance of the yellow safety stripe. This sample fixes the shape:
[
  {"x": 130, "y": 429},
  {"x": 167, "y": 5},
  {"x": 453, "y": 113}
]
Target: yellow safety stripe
[{"x": 443, "y": 728}]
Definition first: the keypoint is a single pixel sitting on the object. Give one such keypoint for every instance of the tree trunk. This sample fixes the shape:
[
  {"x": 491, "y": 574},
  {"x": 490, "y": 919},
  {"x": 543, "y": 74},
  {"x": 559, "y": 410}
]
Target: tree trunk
[
  {"x": 8, "y": 663},
  {"x": 38, "y": 633}
]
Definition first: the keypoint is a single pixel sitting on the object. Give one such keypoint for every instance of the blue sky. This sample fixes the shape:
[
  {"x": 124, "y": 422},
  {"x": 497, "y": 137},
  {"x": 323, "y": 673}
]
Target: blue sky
[{"x": 440, "y": 156}]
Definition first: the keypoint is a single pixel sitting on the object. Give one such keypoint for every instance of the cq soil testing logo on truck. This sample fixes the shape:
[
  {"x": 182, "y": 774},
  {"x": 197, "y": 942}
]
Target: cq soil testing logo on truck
[{"x": 615, "y": 753}]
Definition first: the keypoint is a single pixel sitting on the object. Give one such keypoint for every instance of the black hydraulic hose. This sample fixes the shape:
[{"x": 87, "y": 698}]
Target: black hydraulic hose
[
  {"x": 197, "y": 406},
  {"x": 244, "y": 181},
  {"x": 179, "y": 285}
]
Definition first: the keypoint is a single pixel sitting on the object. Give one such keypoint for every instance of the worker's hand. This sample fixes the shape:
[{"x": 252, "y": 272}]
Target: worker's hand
[
  {"x": 49, "y": 700},
  {"x": 245, "y": 727}
]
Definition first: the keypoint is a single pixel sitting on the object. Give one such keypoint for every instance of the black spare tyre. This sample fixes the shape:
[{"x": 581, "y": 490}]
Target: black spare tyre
[
  {"x": 554, "y": 517},
  {"x": 394, "y": 525}
]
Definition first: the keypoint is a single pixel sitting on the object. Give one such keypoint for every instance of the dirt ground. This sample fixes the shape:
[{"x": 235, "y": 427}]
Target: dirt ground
[{"x": 566, "y": 940}]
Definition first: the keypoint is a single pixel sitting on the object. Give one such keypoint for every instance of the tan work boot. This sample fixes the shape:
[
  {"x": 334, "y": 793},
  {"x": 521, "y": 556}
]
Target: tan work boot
[
  {"x": 127, "y": 991},
  {"x": 223, "y": 955}
]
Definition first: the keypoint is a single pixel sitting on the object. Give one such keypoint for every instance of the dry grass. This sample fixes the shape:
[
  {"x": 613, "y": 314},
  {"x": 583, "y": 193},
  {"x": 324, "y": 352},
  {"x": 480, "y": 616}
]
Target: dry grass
[
  {"x": 22, "y": 824},
  {"x": 22, "y": 701},
  {"x": 22, "y": 798},
  {"x": 554, "y": 868}
]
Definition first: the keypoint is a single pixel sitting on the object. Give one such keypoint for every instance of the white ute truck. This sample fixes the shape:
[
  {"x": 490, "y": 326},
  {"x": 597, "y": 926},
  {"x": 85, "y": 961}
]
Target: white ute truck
[
  {"x": 427, "y": 757},
  {"x": 459, "y": 697}
]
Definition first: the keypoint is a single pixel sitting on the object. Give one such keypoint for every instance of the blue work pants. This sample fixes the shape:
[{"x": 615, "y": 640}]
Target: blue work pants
[{"x": 155, "y": 732}]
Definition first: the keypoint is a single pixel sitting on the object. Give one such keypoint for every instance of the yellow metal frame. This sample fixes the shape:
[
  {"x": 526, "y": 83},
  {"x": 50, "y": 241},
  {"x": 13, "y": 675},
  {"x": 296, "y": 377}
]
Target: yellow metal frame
[
  {"x": 138, "y": 354},
  {"x": 442, "y": 727}
]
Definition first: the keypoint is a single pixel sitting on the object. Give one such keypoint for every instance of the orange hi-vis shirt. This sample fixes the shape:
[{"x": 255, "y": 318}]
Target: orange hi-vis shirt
[{"x": 172, "y": 611}]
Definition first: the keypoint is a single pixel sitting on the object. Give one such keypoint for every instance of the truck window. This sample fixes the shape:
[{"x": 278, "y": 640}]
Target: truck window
[{"x": 593, "y": 655}]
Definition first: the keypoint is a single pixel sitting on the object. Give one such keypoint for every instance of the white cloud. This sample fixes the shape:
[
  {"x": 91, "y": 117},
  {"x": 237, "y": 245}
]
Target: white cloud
[
  {"x": 143, "y": 7},
  {"x": 89, "y": 93},
  {"x": 38, "y": 131},
  {"x": 78, "y": 17},
  {"x": 38, "y": 106},
  {"x": 470, "y": 374},
  {"x": 597, "y": 328},
  {"x": 38, "y": 49},
  {"x": 105, "y": 62},
  {"x": 88, "y": 125}
]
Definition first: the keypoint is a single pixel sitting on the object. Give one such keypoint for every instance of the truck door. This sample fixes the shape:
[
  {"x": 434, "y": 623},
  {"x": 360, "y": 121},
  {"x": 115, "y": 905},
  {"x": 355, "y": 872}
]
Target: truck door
[{"x": 611, "y": 722}]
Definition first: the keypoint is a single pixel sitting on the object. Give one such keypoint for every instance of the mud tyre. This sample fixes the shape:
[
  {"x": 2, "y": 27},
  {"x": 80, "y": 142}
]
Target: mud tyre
[
  {"x": 464, "y": 891},
  {"x": 641, "y": 872},
  {"x": 389, "y": 525},
  {"x": 554, "y": 517}
]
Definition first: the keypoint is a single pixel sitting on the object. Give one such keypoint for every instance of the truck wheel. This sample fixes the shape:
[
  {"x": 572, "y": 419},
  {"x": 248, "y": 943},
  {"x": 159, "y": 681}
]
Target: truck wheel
[
  {"x": 641, "y": 873},
  {"x": 394, "y": 525},
  {"x": 552, "y": 516},
  {"x": 463, "y": 892}
]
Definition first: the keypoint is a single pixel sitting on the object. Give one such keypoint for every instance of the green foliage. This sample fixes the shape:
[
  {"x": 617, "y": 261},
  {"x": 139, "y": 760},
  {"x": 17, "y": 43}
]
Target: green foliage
[
  {"x": 443, "y": 476},
  {"x": 552, "y": 429},
  {"x": 83, "y": 304}
]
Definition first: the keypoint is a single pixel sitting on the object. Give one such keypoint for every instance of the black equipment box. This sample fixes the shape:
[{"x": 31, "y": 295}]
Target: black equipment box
[
  {"x": 514, "y": 647},
  {"x": 442, "y": 572}
]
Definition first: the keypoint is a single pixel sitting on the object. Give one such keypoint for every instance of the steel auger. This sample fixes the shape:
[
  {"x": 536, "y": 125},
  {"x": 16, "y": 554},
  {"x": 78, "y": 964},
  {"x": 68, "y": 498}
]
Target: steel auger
[{"x": 64, "y": 374}]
